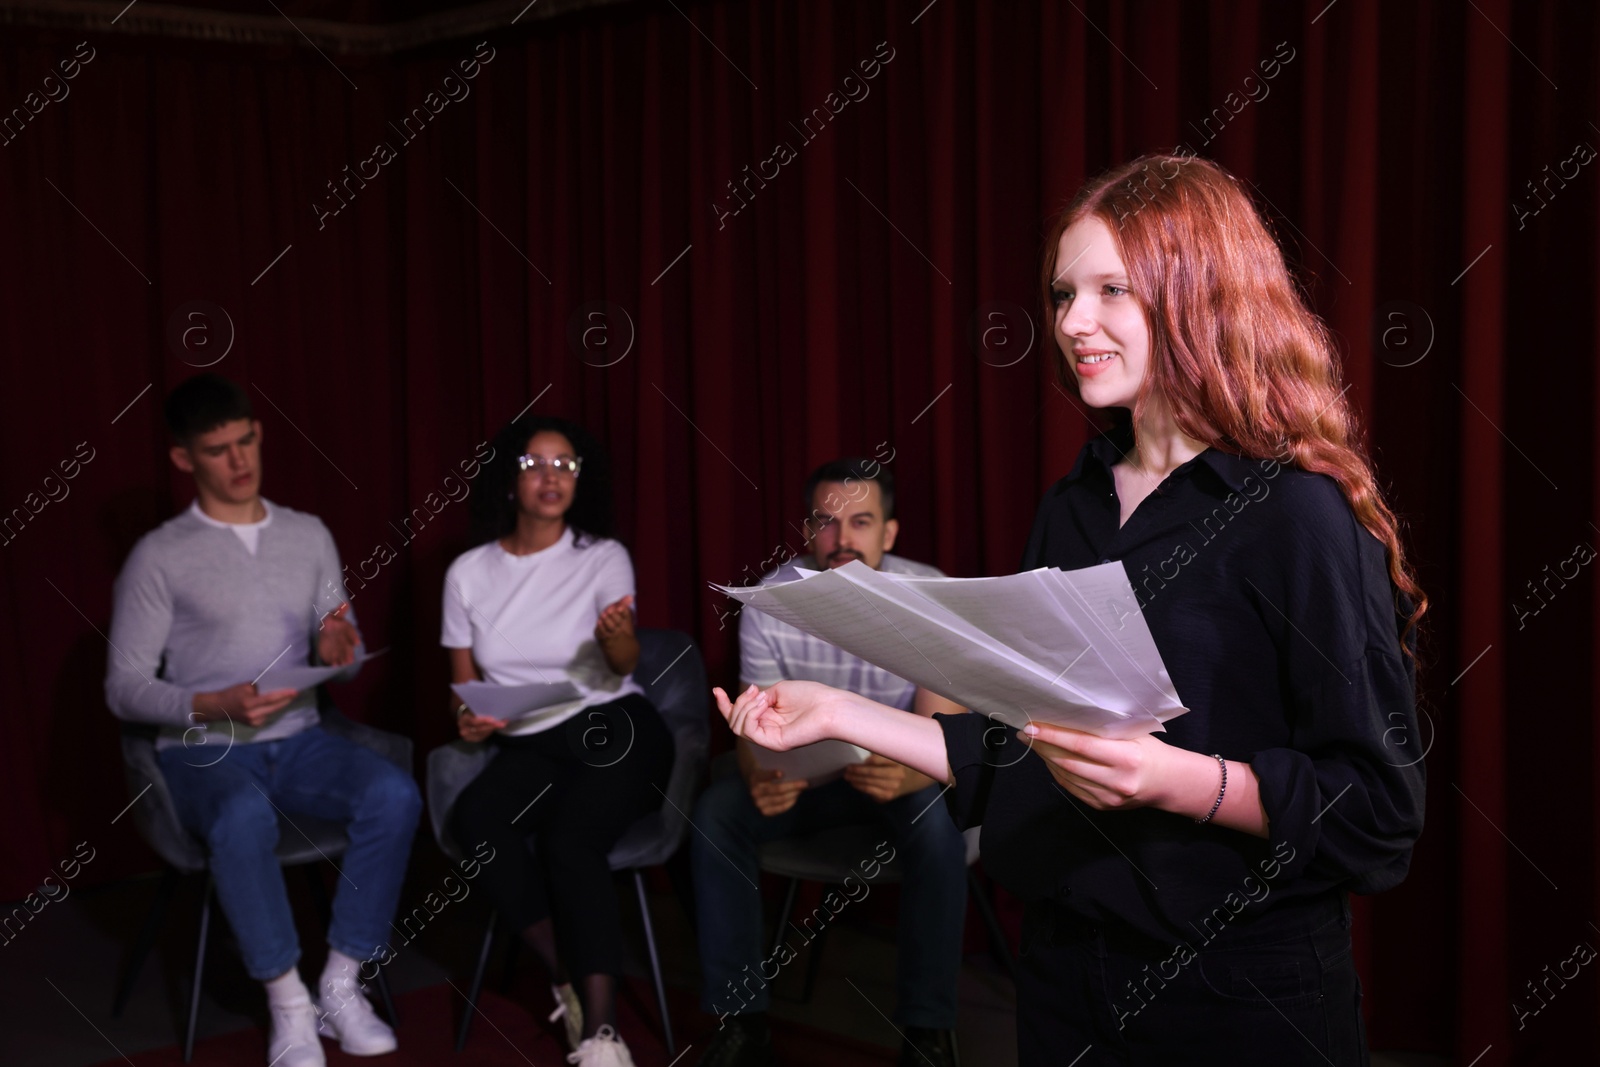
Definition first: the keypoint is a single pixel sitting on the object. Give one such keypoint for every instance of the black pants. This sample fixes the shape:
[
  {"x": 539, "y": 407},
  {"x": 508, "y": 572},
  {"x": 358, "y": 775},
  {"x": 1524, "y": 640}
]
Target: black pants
[
  {"x": 575, "y": 789},
  {"x": 1281, "y": 991}
]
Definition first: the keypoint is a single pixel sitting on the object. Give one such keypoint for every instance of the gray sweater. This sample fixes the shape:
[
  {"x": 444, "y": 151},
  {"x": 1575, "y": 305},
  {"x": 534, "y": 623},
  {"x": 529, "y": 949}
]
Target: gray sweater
[{"x": 195, "y": 611}]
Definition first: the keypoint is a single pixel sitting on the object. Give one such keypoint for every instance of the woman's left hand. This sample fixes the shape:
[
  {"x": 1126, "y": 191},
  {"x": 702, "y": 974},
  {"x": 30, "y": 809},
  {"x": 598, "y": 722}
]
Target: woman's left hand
[
  {"x": 615, "y": 621},
  {"x": 1104, "y": 773}
]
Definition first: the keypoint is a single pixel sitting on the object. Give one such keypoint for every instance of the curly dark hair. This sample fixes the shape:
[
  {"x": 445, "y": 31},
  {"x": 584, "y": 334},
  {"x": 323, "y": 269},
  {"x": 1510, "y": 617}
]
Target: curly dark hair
[{"x": 494, "y": 511}]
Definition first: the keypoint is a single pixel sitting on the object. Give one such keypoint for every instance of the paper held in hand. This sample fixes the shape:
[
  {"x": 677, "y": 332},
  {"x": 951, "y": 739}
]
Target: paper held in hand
[
  {"x": 513, "y": 703},
  {"x": 1065, "y": 647},
  {"x": 815, "y": 764},
  {"x": 302, "y": 677}
]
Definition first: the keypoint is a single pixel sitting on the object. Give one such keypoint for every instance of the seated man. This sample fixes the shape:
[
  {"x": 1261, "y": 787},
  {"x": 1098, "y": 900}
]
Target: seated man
[
  {"x": 207, "y": 602},
  {"x": 852, "y": 518}
]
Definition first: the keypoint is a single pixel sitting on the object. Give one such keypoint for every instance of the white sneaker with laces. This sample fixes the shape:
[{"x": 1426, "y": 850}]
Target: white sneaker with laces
[
  {"x": 568, "y": 1008},
  {"x": 347, "y": 1017},
  {"x": 293, "y": 1040},
  {"x": 604, "y": 1049}
]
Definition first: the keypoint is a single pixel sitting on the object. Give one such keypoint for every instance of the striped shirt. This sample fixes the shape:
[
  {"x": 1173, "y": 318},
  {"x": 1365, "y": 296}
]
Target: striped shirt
[{"x": 771, "y": 651}]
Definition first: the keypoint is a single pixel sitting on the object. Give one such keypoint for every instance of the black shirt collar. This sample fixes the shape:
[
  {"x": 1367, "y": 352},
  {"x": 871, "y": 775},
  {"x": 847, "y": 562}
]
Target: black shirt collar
[{"x": 1110, "y": 447}]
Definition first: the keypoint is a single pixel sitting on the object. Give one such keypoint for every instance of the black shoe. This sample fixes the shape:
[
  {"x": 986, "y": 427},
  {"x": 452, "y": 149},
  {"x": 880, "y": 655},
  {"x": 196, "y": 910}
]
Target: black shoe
[
  {"x": 929, "y": 1048},
  {"x": 743, "y": 1041}
]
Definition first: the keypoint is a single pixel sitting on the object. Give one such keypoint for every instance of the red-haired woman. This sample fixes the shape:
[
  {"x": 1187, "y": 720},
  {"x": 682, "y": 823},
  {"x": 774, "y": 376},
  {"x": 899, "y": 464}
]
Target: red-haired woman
[{"x": 1186, "y": 893}]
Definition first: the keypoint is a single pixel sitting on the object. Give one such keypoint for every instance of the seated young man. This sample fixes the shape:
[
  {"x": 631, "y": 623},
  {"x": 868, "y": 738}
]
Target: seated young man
[
  {"x": 852, "y": 518},
  {"x": 205, "y": 604}
]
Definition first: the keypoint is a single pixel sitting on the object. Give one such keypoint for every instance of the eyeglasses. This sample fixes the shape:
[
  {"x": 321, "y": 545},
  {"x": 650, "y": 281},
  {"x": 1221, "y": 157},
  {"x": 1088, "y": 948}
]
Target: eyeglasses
[{"x": 561, "y": 465}]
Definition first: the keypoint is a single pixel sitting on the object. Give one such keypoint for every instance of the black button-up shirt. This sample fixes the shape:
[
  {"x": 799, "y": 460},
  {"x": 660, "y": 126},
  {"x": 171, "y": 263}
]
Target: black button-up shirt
[{"x": 1274, "y": 613}]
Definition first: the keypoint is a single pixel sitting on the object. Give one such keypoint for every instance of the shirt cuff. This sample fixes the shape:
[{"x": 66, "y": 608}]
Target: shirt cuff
[
  {"x": 975, "y": 745},
  {"x": 1287, "y": 784}
]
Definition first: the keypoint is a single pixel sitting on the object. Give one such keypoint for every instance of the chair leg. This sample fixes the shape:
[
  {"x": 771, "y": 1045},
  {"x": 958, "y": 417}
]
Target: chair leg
[
  {"x": 682, "y": 876},
  {"x": 784, "y": 914},
  {"x": 382, "y": 983},
  {"x": 813, "y": 964},
  {"x": 655, "y": 963},
  {"x": 508, "y": 969},
  {"x": 476, "y": 986},
  {"x": 146, "y": 939},
  {"x": 997, "y": 936},
  {"x": 199, "y": 971}
]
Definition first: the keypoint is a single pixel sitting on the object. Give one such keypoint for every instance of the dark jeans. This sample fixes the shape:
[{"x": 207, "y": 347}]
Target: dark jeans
[
  {"x": 727, "y": 871},
  {"x": 1282, "y": 991},
  {"x": 575, "y": 789}
]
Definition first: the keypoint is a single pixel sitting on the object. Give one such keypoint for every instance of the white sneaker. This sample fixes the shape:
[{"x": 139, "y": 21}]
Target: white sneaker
[
  {"x": 604, "y": 1049},
  {"x": 293, "y": 1040},
  {"x": 347, "y": 1017},
  {"x": 568, "y": 1008}
]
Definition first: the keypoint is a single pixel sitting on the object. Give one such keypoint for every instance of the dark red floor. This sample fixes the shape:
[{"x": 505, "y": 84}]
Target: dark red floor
[{"x": 508, "y": 1033}]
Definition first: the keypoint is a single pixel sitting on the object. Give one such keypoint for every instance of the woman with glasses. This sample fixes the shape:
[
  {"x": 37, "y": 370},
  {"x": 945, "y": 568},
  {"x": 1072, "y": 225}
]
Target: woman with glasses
[
  {"x": 1186, "y": 891},
  {"x": 547, "y": 596}
]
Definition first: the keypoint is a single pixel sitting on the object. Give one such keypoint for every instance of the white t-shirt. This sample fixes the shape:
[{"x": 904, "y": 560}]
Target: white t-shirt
[
  {"x": 531, "y": 618},
  {"x": 249, "y": 532}
]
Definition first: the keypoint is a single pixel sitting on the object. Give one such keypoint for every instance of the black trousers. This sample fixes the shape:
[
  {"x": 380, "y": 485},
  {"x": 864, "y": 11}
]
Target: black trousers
[
  {"x": 574, "y": 789},
  {"x": 1279, "y": 991}
]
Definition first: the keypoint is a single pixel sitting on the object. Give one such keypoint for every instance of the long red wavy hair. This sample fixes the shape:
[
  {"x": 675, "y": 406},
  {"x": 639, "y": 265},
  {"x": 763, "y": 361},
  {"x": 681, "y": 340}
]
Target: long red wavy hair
[{"x": 1239, "y": 358}]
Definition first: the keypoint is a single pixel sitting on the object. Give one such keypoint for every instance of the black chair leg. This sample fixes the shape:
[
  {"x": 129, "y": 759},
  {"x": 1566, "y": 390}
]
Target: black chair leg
[
  {"x": 655, "y": 963},
  {"x": 813, "y": 964},
  {"x": 199, "y": 971},
  {"x": 508, "y": 969},
  {"x": 476, "y": 986},
  {"x": 388, "y": 1000},
  {"x": 784, "y": 914},
  {"x": 997, "y": 936},
  {"x": 146, "y": 939},
  {"x": 679, "y": 870}
]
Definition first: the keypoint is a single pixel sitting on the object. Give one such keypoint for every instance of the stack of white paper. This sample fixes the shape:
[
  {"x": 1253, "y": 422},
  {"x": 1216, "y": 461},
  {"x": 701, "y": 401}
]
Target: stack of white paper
[{"x": 1067, "y": 647}]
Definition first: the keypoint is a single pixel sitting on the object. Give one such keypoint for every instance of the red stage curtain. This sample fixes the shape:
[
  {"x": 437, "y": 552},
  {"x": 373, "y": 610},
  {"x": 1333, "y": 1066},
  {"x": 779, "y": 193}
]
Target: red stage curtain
[{"x": 565, "y": 236}]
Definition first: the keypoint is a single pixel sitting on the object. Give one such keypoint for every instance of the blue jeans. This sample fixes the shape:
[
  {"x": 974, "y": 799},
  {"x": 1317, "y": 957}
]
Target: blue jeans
[
  {"x": 233, "y": 807},
  {"x": 933, "y": 893}
]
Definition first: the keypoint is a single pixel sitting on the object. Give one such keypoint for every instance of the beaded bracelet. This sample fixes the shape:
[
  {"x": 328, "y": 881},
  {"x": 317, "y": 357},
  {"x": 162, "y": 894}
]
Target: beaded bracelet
[{"x": 1224, "y": 765}]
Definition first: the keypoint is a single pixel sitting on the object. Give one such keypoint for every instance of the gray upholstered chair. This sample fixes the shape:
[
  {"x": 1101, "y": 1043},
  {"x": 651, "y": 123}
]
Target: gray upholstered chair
[
  {"x": 674, "y": 679},
  {"x": 817, "y": 858},
  {"x": 826, "y": 857},
  {"x": 301, "y": 843}
]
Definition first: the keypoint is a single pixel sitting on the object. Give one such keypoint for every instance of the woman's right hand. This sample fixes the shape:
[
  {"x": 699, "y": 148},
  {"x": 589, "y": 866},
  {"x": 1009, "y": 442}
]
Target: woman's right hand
[
  {"x": 788, "y": 715},
  {"x": 477, "y": 727}
]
